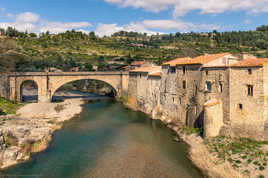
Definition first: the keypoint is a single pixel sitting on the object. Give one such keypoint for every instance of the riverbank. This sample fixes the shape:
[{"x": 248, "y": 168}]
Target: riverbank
[
  {"x": 30, "y": 129},
  {"x": 246, "y": 158}
]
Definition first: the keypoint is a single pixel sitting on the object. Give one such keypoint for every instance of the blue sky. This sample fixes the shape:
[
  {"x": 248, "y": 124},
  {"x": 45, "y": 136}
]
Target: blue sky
[{"x": 151, "y": 16}]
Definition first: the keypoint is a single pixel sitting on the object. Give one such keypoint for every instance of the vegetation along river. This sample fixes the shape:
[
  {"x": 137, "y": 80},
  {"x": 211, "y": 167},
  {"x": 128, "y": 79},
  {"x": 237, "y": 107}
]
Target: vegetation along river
[{"x": 109, "y": 141}]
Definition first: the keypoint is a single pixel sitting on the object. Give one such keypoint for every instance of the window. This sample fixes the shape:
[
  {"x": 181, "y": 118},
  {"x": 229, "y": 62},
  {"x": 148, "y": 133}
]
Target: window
[
  {"x": 208, "y": 87},
  {"x": 195, "y": 90},
  {"x": 249, "y": 71},
  {"x": 172, "y": 69},
  {"x": 240, "y": 106},
  {"x": 140, "y": 75},
  {"x": 184, "y": 84},
  {"x": 220, "y": 87},
  {"x": 250, "y": 90},
  {"x": 195, "y": 110},
  {"x": 206, "y": 72},
  {"x": 184, "y": 70}
]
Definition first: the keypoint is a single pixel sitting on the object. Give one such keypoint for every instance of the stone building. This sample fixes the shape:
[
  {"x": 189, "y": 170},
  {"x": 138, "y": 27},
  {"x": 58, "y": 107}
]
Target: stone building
[{"x": 223, "y": 93}]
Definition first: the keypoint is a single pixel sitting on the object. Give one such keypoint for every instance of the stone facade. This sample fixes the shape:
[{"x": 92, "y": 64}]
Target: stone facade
[{"x": 183, "y": 93}]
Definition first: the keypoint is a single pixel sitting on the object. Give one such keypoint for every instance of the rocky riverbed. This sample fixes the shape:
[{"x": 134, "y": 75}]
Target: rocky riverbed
[{"x": 31, "y": 128}]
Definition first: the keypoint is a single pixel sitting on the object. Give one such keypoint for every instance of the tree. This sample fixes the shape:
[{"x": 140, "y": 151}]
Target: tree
[
  {"x": 33, "y": 35},
  {"x": 92, "y": 35}
]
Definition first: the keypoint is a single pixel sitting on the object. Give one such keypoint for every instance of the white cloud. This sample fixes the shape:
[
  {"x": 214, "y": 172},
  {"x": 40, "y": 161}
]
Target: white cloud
[
  {"x": 31, "y": 22},
  {"x": 153, "y": 26},
  {"x": 59, "y": 27},
  {"x": 27, "y": 17},
  {"x": 181, "y": 7}
]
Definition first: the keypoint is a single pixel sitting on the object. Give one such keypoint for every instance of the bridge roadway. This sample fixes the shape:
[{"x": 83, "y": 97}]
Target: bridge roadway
[{"x": 49, "y": 82}]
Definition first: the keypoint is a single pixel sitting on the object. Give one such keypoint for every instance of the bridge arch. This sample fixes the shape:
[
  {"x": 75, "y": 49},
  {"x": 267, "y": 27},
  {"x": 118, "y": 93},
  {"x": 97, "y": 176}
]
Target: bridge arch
[
  {"x": 56, "y": 89},
  {"x": 57, "y": 82},
  {"x": 25, "y": 93}
]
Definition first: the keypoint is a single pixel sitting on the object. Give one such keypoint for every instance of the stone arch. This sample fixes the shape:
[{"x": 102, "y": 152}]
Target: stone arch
[
  {"x": 21, "y": 85},
  {"x": 56, "y": 84}
]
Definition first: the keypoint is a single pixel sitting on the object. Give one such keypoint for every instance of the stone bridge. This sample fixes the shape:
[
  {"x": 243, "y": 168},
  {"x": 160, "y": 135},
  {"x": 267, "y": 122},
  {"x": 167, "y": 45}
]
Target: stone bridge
[{"x": 49, "y": 82}]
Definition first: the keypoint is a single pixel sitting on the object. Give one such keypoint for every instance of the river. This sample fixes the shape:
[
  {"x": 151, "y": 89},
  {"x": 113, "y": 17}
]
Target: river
[{"x": 109, "y": 141}]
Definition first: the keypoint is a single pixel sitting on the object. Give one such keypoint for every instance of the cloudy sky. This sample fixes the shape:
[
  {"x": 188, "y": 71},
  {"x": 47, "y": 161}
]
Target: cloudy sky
[{"x": 151, "y": 16}]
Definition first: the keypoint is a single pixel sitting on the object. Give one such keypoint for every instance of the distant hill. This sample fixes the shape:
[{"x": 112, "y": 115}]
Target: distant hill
[{"x": 28, "y": 52}]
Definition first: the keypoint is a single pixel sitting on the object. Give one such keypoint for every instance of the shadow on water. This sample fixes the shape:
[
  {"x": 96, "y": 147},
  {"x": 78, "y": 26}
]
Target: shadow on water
[{"x": 102, "y": 142}]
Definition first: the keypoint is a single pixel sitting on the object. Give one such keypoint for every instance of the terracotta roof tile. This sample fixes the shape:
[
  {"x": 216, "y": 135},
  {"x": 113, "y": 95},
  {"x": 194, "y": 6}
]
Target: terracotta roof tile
[
  {"x": 156, "y": 74},
  {"x": 251, "y": 62},
  {"x": 178, "y": 61},
  {"x": 207, "y": 58},
  {"x": 135, "y": 63},
  {"x": 147, "y": 69},
  {"x": 198, "y": 60}
]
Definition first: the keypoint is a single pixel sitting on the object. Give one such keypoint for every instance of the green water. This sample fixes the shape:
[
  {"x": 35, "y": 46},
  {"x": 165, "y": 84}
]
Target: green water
[{"x": 109, "y": 141}]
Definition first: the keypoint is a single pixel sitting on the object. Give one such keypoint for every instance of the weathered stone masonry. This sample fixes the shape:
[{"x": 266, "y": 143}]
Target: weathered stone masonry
[
  {"x": 222, "y": 93},
  {"x": 49, "y": 82}
]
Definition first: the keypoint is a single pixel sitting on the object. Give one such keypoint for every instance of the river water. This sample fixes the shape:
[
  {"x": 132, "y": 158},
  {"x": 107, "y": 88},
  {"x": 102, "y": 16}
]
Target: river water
[{"x": 108, "y": 141}]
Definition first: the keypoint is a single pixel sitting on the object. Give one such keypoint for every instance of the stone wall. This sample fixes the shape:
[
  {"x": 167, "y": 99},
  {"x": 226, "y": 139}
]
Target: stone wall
[
  {"x": 213, "y": 120},
  {"x": 190, "y": 95},
  {"x": 4, "y": 85},
  {"x": 180, "y": 96},
  {"x": 246, "y": 111}
]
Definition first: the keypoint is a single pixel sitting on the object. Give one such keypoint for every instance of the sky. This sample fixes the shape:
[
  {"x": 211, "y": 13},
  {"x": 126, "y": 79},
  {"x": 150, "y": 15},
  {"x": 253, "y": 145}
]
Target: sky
[{"x": 106, "y": 17}]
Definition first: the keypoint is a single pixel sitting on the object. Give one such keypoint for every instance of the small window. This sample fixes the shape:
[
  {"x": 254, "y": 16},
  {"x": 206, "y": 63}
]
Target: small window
[
  {"x": 208, "y": 87},
  {"x": 249, "y": 71},
  {"x": 195, "y": 90},
  {"x": 240, "y": 106},
  {"x": 206, "y": 72},
  {"x": 184, "y": 84},
  {"x": 250, "y": 90},
  {"x": 184, "y": 69},
  {"x": 172, "y": 69},
  {"x": 140, "y": 75},
  {"x": 220, "y": 87},
  {"x": 195, "y": 110}
]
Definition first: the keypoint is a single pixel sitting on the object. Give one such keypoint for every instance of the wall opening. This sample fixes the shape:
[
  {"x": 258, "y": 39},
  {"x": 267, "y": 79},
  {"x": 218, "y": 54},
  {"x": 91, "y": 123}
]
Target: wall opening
[
  {"x": 208, "y": 86},
  {"x": 249, "y": 71},
  {"x": 220, "y": 87},
  {"x": 250, "y": 90},
  {"x": 29, "y": 91},
  {"x": 184, "y": 70},
  {"x": 184, "y": 84},
  {"x": 86, "y": 89},
  {"x": 172, "y": 69},
  {"x": 240, "y": 106}
]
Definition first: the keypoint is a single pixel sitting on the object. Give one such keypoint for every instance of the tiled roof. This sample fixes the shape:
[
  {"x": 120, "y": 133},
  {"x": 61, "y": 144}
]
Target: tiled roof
[
  {"x": 198, "y": 60},
  {"x": 156, "y": 74},
  {"x": 136, "y": 63},
  {"x": 147, "y": 69},
  {"x": 251, "y": 62},
  {"x": 207, "y": 58},
  {"x": 178, "y": 61}
]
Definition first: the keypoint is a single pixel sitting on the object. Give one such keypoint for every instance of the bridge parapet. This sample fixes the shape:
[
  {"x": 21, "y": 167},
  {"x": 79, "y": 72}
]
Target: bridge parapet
[{"x": 49, "y": 82}]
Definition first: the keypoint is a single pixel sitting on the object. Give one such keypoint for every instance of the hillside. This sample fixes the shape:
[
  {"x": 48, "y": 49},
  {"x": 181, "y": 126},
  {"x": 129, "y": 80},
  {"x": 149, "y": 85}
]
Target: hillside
[{"x": 28, "y": 52}]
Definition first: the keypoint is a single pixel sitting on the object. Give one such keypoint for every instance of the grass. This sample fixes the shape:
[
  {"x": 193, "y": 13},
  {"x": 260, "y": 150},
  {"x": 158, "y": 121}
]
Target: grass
[
  {"x": 8, "y": 107},
  {"x": 10, "y": 140},
  {"x": 239, "y": 152},
  {"x": 190, "y": 130}
]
